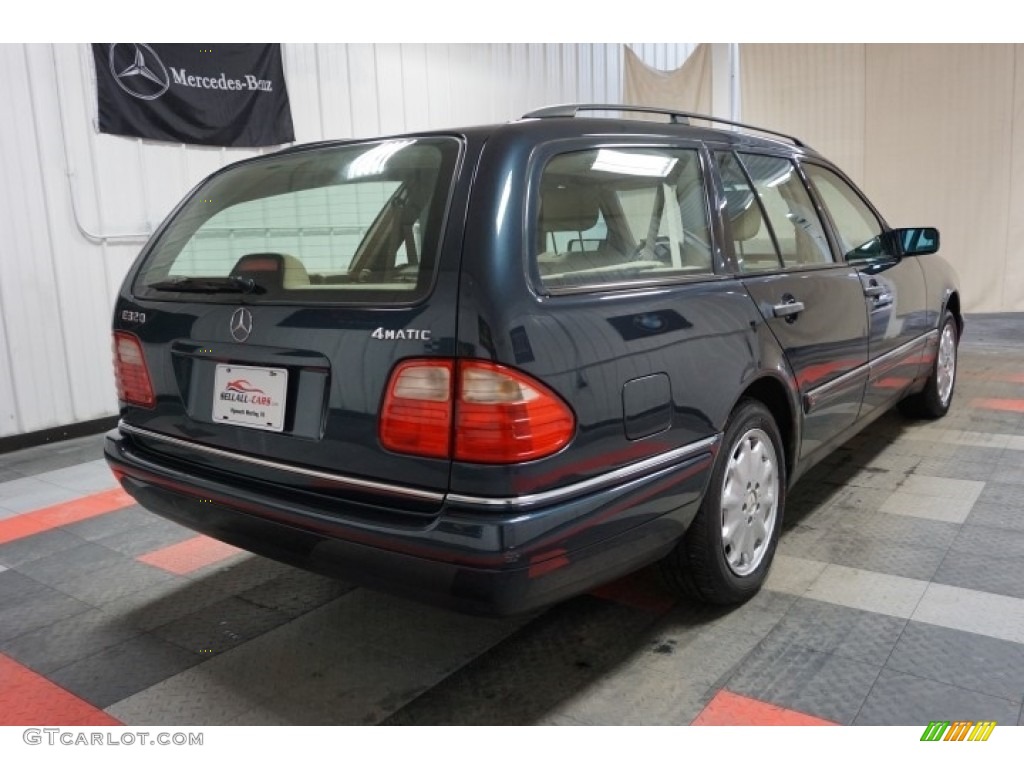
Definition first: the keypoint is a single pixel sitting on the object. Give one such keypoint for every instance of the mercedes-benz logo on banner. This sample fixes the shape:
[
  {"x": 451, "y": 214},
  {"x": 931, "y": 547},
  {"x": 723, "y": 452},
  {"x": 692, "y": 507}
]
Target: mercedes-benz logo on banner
[
  {"x": 241, "y": 324},
  {"x": 138, "y": 70}
]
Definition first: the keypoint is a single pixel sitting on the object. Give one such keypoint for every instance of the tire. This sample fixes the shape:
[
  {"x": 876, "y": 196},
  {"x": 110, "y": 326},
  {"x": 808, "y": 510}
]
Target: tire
[
  {"x": 934, "y": 400},
  {"x": 711, "y": 564}
]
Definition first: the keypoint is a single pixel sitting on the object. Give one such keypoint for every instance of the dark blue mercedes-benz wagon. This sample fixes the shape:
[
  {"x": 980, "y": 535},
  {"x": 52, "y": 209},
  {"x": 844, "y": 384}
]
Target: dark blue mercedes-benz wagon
[{"x": 495, "y": 367}]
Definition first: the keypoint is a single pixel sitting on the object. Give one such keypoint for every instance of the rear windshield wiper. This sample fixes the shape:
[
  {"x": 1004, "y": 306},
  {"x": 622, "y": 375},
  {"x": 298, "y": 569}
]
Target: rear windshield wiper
[{"x": 232, "y": 284}]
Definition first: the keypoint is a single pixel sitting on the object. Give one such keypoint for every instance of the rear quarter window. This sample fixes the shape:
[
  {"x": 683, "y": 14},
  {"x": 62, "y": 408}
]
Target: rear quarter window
[
  {"x": 609, "y": 216},
  {"x": 360, "y": 223}
]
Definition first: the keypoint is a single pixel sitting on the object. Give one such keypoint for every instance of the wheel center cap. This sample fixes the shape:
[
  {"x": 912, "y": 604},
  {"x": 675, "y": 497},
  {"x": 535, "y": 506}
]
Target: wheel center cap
[{"x": 751, "y": 500}]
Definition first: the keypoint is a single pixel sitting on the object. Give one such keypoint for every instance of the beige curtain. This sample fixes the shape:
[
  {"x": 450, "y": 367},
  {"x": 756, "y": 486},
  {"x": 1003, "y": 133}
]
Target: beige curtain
[
  {"x": 934, "y": 134},
  {"x": 687, "y": 89}
]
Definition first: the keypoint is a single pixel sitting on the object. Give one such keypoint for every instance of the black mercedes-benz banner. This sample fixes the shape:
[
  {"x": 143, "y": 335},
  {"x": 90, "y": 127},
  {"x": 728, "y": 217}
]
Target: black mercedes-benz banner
[{"x": 219, "y": 94}]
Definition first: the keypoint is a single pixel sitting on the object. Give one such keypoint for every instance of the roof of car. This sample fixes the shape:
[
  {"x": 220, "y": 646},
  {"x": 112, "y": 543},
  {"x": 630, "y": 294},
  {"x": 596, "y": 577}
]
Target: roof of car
[{"x": 562, "y": 122}]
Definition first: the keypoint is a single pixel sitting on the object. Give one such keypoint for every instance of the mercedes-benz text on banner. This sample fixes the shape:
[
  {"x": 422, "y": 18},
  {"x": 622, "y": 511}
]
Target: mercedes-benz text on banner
[{"x": 219, "y": 94}]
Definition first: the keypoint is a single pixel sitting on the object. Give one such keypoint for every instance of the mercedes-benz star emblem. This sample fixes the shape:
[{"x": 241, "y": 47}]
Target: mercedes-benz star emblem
[
  {"x": 241, "y": 324},
  {"x": 138, "y": 70}
]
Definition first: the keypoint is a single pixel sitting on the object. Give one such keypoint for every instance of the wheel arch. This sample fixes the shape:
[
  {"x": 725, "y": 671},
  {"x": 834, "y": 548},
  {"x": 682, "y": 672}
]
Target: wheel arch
[
  {"x": 953, "y": 305},
  {"x": 773, "y": 393}
]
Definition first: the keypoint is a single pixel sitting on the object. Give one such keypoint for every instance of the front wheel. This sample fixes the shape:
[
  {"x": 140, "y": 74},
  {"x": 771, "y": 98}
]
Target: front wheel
[
  {"x": 727, "y": 551},
  {"x": 934, "y": 400}
]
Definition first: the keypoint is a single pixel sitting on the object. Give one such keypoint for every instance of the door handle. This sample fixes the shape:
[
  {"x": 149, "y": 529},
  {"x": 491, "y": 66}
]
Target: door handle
[
  {"x": 789, "y": 310},
  {"x": 874, "y": 290}
]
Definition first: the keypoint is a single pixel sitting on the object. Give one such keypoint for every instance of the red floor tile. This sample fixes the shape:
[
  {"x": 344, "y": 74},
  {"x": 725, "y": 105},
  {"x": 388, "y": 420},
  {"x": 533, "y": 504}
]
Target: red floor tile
[
  {"x": 732, "y": 709},
  {"x": 29, "y": 523},
  {"x": 27, "y": 698},
  {"x": 189, "y": 555},
  {"x": 998, "y": 404}
]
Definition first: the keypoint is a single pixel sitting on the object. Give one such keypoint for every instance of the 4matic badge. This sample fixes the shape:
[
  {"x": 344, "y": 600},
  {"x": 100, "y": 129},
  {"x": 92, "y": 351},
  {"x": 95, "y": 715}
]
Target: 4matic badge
[{"x": 401, "y": 333}]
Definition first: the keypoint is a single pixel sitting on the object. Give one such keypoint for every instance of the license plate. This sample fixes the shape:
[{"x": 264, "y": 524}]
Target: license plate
[{"x": 250, "y": 397}]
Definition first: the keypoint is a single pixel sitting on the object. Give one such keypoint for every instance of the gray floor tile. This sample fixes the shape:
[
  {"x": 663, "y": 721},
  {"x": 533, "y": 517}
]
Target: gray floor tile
[
  {"x": 638, "y": 693},
  {"x": 793, "y": 575},
  {"x": 821, "y": 684},
  {"x": 157, "y": 605},
  {"x": 1012, "y": 458},
  {"x": 875, "y": 554},
  {"x": 240, "y": 573},
  {"x": 901, "y": 699},
  {"x": 899, "y": 529},
  {"x": 530, "y": 673},
  {"x": 123, "y": 669},
  {"x": 220, "y": 626},
  {"x": 65, "y": 453},
  {"x": 328, "y": 666},
  {"x": 1002, "y": 576},
  {"x": 859, "y": 499},
  {"x": 1001, "y": 493},
  {"x": 197, "y": 696},
  {"x": 28, "y": 494},
  {"x": 968, "y": 610},
  {"x": 68, "y": 640},
  {"x": 21, "y": 551},
  {"x": 364, "y": 618},
  {"x": 71, "y": 563},
  {"x": 1009, "y": 516},
  {"x": 989, "y": 540},
  {"x": 362, "y": 689},
  {"x": 37, "y": 609},
  {"x": 15, "y": 587},
  {"x": 89, "y": 477},
  {"x": 118, "y": 521},
  {"x": 956, "y": 468},
  {"x": 109, "y": 586},
  {"x": 140, "y": 540},
  {"x": 1010, "y": 475},
  {"x": 296, "y": 592},
  {"x": 861, "y": 635},
  {"x": 800, "y": 540},
  {"x": 963, "y": 659}
]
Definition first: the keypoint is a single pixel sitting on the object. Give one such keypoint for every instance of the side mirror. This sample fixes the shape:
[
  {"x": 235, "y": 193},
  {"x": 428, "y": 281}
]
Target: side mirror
[{"x": 916, "y": 241}]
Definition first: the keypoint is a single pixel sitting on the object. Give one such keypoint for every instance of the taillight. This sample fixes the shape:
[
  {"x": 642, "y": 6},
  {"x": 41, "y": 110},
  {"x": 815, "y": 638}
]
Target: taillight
[
  {"x": 498, "y": 415},
  {"x": 417, "y": 413},
  {"x": 130, "y": 371},
  {"x": 504, "y": 416}
]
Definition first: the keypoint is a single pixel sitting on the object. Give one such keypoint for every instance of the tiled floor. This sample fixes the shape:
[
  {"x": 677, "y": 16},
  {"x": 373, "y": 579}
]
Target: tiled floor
[{"x": 897, "y": 597}]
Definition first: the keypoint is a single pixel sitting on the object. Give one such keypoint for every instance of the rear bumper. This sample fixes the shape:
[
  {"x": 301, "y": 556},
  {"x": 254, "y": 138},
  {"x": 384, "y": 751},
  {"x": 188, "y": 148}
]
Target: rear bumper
[{"x": 494, "y": 560}]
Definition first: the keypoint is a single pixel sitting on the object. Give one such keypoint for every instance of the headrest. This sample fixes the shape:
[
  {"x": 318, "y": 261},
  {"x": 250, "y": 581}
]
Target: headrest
[
  {"x": 568, "y": 209},
  {"x": 744, "y": 213}
]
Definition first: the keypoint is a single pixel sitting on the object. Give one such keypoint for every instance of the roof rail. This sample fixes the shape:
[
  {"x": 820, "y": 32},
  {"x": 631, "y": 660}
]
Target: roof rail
[{"x": 677, "y": 116}]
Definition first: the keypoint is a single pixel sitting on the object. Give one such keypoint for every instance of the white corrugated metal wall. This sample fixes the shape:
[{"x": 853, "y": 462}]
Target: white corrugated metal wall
[{"x": 76, "y": 206}]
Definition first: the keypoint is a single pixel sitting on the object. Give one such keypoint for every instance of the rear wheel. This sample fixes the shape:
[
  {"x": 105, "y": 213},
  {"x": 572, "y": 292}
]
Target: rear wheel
[
  {"x": 727, "y": 551},
  {"x": 934, "y": 400}
]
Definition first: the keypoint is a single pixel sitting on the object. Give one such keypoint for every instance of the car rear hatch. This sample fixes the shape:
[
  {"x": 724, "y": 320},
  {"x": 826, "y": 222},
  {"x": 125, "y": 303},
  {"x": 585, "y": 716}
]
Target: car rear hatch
[{"x": 272, "y": 308}]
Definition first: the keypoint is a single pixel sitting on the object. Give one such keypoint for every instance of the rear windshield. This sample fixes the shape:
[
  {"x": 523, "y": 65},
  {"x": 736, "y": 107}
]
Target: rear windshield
[{"x": 356, "y": 224}]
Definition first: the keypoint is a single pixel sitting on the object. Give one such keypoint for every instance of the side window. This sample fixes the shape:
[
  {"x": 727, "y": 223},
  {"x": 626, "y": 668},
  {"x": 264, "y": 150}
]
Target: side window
[
  {"x": 794, "y": 221},
  {"x": 616, "y": 215},
  {"x": 752, "y": 239},
  {"x": 857, "y": 228}
]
